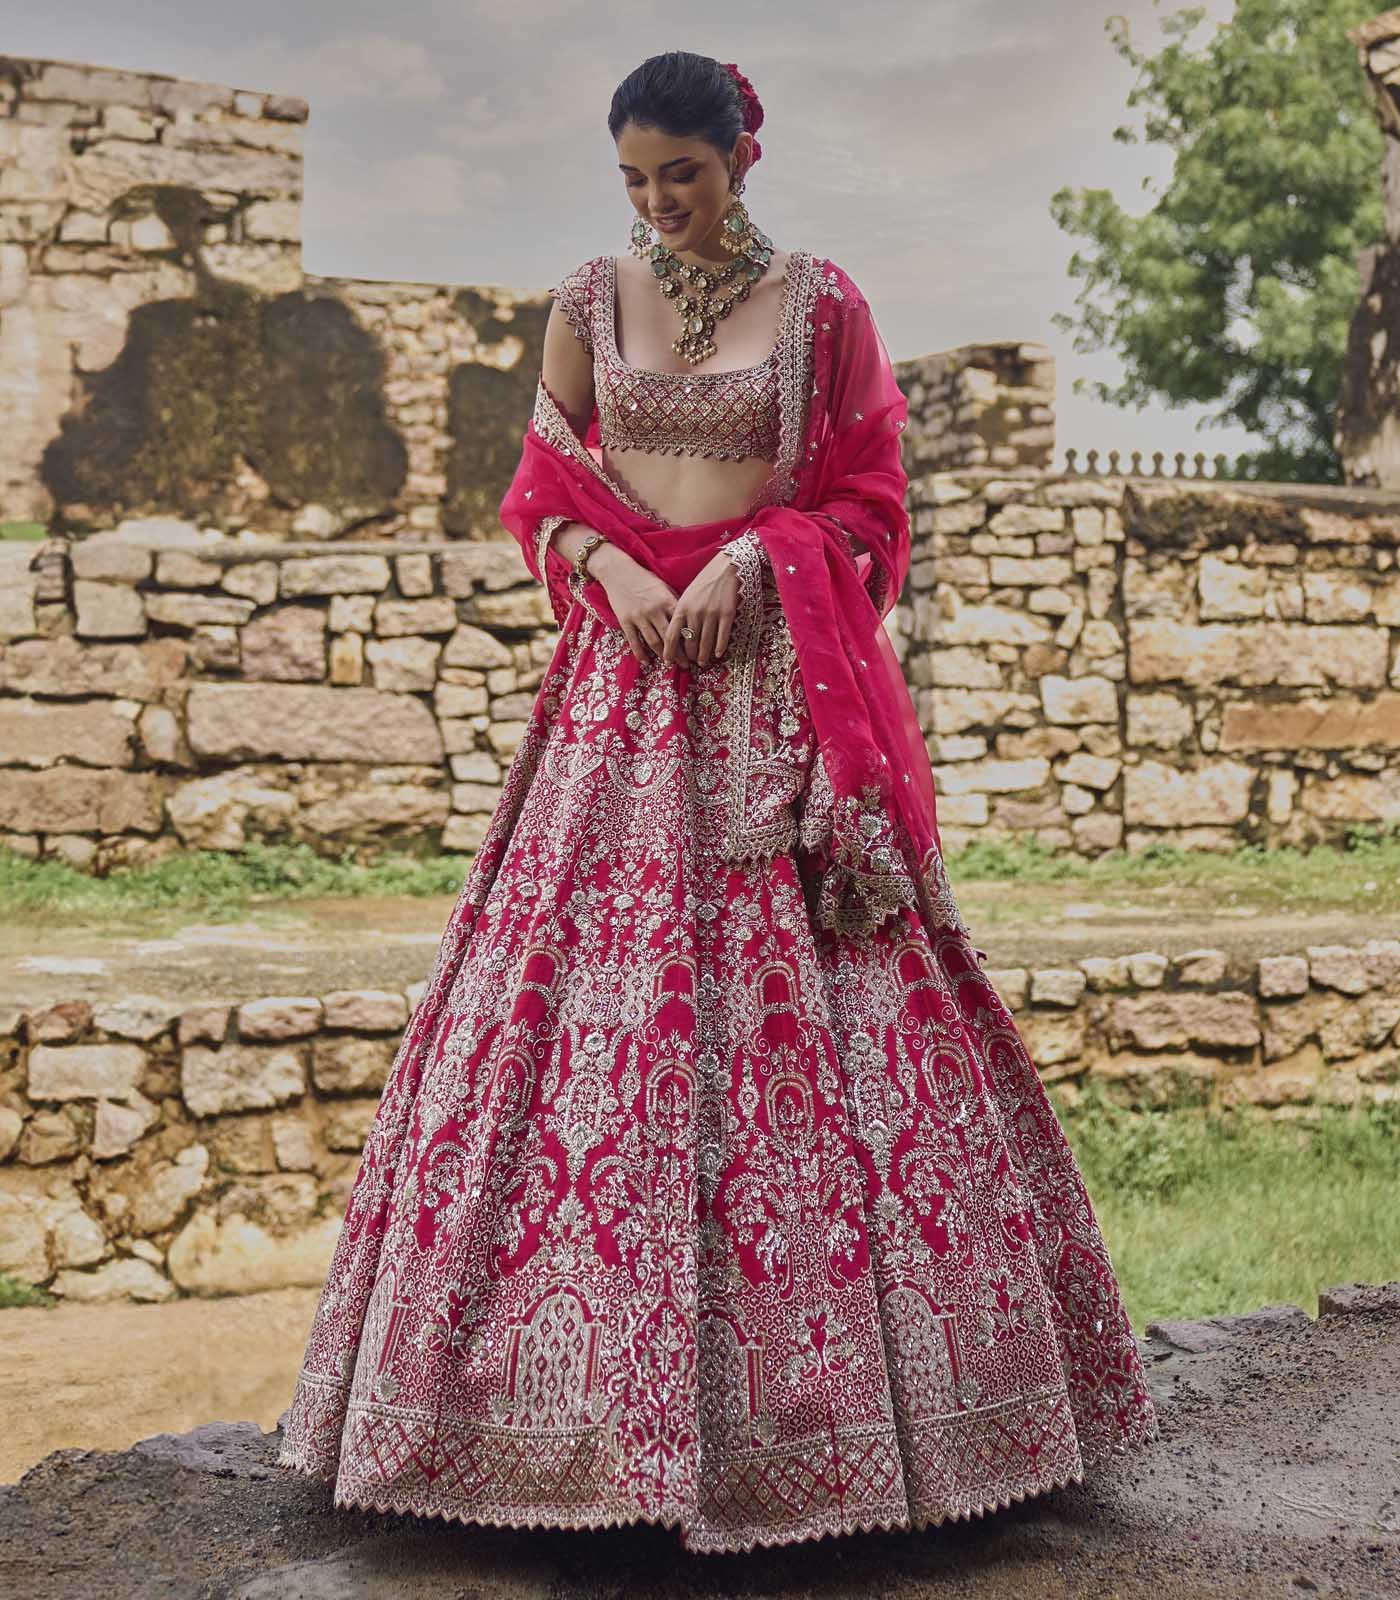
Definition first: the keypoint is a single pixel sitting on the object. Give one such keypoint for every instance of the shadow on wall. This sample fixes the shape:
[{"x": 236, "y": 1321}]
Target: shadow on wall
[
  {"x": 226, "y": 397},
  {"x": 482, "y": 455}
]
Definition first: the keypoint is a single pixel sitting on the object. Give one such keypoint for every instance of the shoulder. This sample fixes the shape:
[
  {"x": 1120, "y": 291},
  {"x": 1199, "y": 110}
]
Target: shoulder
[
  {"x": 579, "y": 276},
  {"x": 836, "y": 285}
]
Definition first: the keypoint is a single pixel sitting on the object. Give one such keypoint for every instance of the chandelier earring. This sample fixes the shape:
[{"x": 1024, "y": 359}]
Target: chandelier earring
[
  {"x": 738, "y": 235},
  {"x": 644, "y": 238}
]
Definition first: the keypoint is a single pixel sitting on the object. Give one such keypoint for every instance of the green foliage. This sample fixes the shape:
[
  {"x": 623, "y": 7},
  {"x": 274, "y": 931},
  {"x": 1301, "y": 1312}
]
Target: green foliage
[
  {"x": 1209, "y": 1211},
  {"x": 30, "y": 531},
  {"x": 14, "y": 1292},
  {"x": 1238, "y": 286}
]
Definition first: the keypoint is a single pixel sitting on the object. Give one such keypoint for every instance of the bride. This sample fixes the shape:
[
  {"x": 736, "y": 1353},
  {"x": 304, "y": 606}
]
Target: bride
[{"x": 712, "y": 1184}]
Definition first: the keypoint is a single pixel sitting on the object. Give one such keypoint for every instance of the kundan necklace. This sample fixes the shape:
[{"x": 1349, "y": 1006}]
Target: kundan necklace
[{"x": 707, "y": 304}]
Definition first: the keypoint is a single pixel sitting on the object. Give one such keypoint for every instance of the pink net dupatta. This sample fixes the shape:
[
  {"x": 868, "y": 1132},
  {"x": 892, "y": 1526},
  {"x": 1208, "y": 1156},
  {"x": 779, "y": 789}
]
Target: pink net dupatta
[{"x": 883, "y": 851}]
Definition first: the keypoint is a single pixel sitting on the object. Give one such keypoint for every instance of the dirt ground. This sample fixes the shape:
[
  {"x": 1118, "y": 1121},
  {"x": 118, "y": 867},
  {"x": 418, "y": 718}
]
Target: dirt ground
[
  {"x": 1277, "y": 1473},
  {"x": 105, "y": 1374},
  {"x": 316, "y": 945}
]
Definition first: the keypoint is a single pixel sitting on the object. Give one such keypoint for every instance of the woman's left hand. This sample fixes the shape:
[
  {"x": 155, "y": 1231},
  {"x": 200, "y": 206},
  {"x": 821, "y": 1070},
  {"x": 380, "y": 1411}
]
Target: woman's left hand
[{"x": 707, "y": 606}]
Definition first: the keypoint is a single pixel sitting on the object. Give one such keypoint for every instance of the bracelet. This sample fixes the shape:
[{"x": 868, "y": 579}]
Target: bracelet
[{"x": 586, "y": 549}]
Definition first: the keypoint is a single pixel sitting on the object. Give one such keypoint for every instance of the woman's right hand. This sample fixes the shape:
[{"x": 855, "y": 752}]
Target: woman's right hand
[{"x": 641, "y": 602}]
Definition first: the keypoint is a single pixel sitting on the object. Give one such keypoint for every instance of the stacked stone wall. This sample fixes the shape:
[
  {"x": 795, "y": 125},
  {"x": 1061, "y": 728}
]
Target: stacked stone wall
[
  {"x": 1097, "y": 664},
  {"x": 1108, "y": 663},
  {"x": 150, "y": 1149}
]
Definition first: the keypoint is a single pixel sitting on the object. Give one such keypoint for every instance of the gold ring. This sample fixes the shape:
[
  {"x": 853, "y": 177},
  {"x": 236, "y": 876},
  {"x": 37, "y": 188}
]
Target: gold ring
[{"x": 687, "y": 633}]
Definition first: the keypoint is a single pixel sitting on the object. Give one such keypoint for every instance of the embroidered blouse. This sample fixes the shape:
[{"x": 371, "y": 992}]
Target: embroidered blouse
[
  {"x": 759, "y": 410},
  {"x": 733, "y": 414}
]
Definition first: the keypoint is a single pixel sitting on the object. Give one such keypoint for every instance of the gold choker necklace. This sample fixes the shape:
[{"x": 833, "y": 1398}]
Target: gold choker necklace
[{"x": 706, "y": 304}]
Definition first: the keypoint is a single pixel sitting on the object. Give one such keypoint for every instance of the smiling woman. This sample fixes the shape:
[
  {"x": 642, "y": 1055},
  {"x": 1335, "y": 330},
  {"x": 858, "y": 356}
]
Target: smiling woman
[{"x": 712, "y": 1184}]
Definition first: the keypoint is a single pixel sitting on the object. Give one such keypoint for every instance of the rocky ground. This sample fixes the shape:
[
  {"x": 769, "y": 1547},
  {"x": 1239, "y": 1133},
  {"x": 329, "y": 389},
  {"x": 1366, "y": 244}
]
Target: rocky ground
[{"x": 1277, "y": 1473}]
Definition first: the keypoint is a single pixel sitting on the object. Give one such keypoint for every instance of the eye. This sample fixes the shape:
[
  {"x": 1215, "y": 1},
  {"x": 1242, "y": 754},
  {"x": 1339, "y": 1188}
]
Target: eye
[{"x": 688, "y": 177}]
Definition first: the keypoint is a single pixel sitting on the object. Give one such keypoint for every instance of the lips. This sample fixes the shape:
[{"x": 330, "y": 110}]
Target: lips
[{"x": 671, "y": 221}]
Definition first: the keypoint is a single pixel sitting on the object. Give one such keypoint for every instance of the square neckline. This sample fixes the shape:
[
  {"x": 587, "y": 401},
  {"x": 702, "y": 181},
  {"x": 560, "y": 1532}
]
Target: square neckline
[{"x": 770, "y": 360}]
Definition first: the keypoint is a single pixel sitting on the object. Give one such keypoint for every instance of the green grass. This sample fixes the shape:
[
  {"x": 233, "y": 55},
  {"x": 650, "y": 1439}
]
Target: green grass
[
  {"x": 1364, "y": 868},
  {"x": 1363, "y": 873},
  {"x": 13, "y": 1293},
  {"x": 220, "y": 883},
  {"x": 1208, "y": 1212},
  {"x": 22, "y": 530}
]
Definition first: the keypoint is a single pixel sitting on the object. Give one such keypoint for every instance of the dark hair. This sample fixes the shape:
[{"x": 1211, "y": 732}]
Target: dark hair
[{"x": 685, "y": 95}]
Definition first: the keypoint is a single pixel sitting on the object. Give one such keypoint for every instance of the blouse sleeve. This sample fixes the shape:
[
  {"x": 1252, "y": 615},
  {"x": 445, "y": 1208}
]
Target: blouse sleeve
[{"x": 574, "y": 293}]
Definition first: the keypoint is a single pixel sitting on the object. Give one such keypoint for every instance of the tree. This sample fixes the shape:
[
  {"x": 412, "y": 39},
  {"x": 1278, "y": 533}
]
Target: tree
[{"x": 1239, "y": 283}]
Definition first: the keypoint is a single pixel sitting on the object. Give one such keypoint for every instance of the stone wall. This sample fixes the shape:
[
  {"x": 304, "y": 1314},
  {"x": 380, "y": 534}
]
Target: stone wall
[
  {"x": 162, "y": 352},
  {"x": 156, "y": 698},
  {"x": 149, "y": 1149},
  {"x": 981, "y": 405},
  {"x": 1096, "y": 663},
  {"x": 1109, "y": 663}
]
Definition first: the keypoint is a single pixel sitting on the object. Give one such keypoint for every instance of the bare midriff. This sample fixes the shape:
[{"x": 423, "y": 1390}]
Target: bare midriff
[{"x": 685, "y": 489}]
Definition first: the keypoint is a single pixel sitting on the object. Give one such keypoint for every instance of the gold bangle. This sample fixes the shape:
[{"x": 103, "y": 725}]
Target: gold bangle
[{"x": 586, "y": 549}]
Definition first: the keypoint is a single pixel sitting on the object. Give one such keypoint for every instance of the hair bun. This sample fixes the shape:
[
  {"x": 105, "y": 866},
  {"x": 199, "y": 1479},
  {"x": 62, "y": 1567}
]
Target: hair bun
[{"x": 753, "y": 106}]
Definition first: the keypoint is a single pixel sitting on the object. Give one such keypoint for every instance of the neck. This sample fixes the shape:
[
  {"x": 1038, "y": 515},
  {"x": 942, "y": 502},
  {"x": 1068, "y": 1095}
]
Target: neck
[{"x": 710, "y": 251}]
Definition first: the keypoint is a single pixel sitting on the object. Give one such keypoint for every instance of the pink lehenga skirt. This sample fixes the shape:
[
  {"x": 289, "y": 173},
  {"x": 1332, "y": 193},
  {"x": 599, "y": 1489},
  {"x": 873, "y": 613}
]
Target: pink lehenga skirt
[{"x": 678, "y": 1208}]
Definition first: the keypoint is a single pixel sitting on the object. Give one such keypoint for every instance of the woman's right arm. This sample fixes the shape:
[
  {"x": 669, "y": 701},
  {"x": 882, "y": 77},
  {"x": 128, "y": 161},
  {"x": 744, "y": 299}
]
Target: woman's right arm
[{"x": 641, "y": 602}]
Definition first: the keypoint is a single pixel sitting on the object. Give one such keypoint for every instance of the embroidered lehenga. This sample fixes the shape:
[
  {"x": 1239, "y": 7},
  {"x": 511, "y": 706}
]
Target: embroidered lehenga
[{"x": 712, "y": 1184}]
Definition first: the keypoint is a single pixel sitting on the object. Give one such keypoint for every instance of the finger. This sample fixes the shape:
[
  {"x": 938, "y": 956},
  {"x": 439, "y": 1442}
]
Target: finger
[
  {"x": 652, "y": 635},
  {"x": 688, "y": 645},
  {"x": 707, "y": 640},
  {"x": 632, "y": 642},
  {"x": 673, "y": 640},
  {"x": 725, "y": 628}
]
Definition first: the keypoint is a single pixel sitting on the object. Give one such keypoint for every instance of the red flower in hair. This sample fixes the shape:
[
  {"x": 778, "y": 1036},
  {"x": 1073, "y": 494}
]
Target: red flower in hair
[{"x": 753, "y": 106}]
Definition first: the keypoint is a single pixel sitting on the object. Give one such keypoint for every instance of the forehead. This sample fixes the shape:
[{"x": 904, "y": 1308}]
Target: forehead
[{"x": 648, "y": 149}]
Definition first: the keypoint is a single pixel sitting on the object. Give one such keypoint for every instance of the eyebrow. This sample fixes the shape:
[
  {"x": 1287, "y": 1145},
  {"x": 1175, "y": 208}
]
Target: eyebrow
[{"x": 674, "y": 163}]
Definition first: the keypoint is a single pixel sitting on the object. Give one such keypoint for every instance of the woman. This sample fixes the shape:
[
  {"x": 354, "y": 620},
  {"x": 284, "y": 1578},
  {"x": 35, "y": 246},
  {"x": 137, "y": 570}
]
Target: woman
[{"x": 712, "y": 1184}]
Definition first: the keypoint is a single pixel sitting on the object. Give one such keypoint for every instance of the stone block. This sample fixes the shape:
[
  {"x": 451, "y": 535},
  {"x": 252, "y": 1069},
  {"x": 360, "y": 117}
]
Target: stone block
[
  {"x": 404, "y": 664},
  {"x": 475, "y": 647},
  {"x": 191, "y": 610},
  {"x": 1168, "y": 797},
  {"x": 334, "y": 574},
  {"x": 235, "y": 1255},
  {"x": 1072, "y": 700},
  {"x": 309, "y": 722},
  {"x": 65, "y": 666},
  {"x": 127, "y": 1278},
  {"x": 286, "y": 644},
  {"x": 1313, "y": 724},
  {"x": 42, "y": 733},
  {"x": 350, "y": 1065},
  {"x": 366, "y": 1010},
  {"x": 279, "y": 1017},
  {"x": 239, "y": 1078},
  {"x": 108, "y": 611},
  {"x": 84, "y": 1071},
  {"x": 435, "y": 614}
]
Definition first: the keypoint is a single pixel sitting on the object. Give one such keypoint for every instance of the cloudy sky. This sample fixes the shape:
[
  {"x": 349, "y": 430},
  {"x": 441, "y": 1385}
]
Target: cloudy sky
[{"x": 916, "y": 142}]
